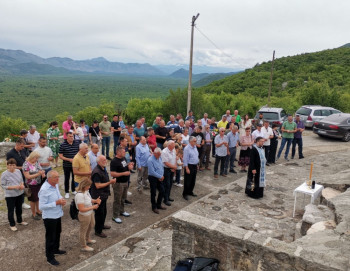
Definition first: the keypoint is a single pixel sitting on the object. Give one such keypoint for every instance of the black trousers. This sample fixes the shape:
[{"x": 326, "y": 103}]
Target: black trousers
[
  {"x": 155, "y": 185},
  {"x": 100, "y": 216},
  {"x": 273, "y": 149},
  {"x": 168, "y": 183},
  {"x": 67, "y": 172},
  {"x": 190, "y": 180},
  {"x": 12, "y": 204},
  {"x": 221, "y": 160},
  {"x": 52, "y": 236},
  {"x": 267, "y": 152}
]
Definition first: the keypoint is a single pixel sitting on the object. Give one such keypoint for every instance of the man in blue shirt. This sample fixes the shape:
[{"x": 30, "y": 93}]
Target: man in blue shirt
[
  {"x": 51, "y": 203},
  {"x": 156, "y": 177},
  {"x": 298, "y": 140},
  {"x": 142, "y": 155},
  {"x": 233, "y": 139},
  {"x": 190, "y": 161}
]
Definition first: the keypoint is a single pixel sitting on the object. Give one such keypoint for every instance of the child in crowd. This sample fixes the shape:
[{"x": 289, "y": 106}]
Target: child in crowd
[
  {"x": 179, "y": 157},
  {"x": 121, "y": 122}
]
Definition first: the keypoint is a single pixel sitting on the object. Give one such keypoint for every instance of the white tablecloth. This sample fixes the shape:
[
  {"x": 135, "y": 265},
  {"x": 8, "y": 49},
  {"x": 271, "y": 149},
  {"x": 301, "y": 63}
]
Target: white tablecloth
[{"x": 314, "y": 193}]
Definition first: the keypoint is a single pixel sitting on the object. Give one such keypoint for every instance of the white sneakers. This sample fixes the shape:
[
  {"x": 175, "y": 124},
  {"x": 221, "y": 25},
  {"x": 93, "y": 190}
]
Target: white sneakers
[
  {"x": 25, "y": 206},
  {"x": 125, "y": 214},
  {"x": 117, "y": 220},
  {"x": 23, "y": 223},
  {"x": 74, "y": 193},
  {"x": 129, "y": 193},
  {"x": 87, "y": 249},
  {"x": 179, "y": 184},
  {"x": 66, "y": 196},
  {"x": 14, "y": 228}
]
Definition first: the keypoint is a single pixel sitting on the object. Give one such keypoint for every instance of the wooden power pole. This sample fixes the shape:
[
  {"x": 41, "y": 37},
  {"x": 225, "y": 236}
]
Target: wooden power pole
[
  {"x": 271, "y": 75},
  {"x": 189, "y": 91}
]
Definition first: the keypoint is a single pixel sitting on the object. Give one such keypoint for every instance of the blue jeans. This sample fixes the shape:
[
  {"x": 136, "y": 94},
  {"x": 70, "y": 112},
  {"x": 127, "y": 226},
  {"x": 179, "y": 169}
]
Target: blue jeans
[
  {"x": 230, "y": 159},
  {"x": 283, "y": 143},
  {"x": 105, "y": 145},
  {"x": 116, "y": 143}
]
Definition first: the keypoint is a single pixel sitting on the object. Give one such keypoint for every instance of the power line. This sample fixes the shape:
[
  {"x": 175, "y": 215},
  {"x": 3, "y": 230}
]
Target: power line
[{"x": 217, "y": 47}]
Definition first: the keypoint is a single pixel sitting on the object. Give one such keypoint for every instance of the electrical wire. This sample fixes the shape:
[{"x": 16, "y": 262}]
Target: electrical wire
[{"x": 217, "y": 47}]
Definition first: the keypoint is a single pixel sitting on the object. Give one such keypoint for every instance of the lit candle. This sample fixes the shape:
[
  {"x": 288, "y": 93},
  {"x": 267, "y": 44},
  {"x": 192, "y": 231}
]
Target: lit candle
[{"x": 312, "y": 164}]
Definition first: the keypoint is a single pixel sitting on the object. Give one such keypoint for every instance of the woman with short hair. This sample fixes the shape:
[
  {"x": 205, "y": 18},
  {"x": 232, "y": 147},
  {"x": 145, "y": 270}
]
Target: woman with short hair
[
  {"x": 86, "y": 216},
  {"x": 33, "y": 174},
  {"x": 12, "y": 183}
]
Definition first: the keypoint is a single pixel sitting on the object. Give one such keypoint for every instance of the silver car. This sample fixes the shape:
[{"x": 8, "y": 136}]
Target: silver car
[{"x": 309, "y": 114}]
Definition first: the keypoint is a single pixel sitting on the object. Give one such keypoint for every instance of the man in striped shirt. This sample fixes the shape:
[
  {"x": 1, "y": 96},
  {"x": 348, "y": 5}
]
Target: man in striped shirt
[{"x": 68, "y": 149}]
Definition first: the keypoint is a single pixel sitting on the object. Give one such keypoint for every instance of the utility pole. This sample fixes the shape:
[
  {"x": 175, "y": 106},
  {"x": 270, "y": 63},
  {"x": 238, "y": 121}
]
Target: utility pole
[
  {"x": 189, "y": 94},
  {"x": 269, "y": 97}
]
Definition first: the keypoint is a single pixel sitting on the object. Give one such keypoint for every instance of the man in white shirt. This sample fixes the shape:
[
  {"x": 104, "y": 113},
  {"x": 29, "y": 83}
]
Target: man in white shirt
[
  {"x": 169, "y": 162},
  {"x": 46, "y": 155},
  {"x": 258, "y": 132},
  {"x": 267, "y": 130},
  {"x": 33, "y": 137},
  {"x": 204, "y": 120}
]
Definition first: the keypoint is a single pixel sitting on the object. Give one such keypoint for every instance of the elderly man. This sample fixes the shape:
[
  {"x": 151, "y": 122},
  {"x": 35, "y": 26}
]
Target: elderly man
[
  {"x": 170, "y": 166},
  {"x": 46, "y": 155},
  {"x": 289, "y": 127},
  {"x": 142, "y": 155},
  {"x": 100, "y": 189},
  {"x": 161, "y": 134},
  {"x": 188, "y": 126},
  {"x": 298, "y": 140},
  {"x": 172, "y": 123},
  {"x": 180, "y": 128},
  {"x": 68, "y": 149},
  {"x": 228, "y": 115},
  {"x": 238, "y": 117},
  {"x": 51, "y": 203},
  {"x": 258, "y": 132},
  {"x": 33, "y": 137},
  {"x": 208, "y": 139},
  {"x": 200, "y": 142},
  {"x": 81, "y": 164},
  {"x": 120, "y": 169},
  {"x": 93, "y": 154},
  {"x": 233, "y": 139},
  {"x": 190, "y": 160},
  {"x": 66, "y": 126},
  {"x": 205, "y": 119},
  {"x": 156, "y": 177},
  {"x": 106, "y": 129},
  {"x": 221, "y": 150},
  {"x": 156, "y": 122}
]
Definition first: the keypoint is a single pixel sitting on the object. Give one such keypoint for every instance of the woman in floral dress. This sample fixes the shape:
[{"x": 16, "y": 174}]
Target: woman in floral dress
[{"x": 53, "y": 134}]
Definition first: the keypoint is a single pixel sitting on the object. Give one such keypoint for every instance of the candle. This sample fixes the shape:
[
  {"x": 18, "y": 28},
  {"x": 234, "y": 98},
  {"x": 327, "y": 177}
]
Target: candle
[{"x": 312, "y": 164}]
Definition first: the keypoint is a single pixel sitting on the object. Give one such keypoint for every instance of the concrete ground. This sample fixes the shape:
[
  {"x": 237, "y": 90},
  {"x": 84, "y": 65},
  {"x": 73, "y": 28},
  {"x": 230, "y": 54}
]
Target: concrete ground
[{"x": 143, "y": 241}]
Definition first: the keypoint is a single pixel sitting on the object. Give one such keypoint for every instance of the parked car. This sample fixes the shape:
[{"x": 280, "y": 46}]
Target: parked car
[
  {"x": 336, "y": 126},
  {"x": 309, "y": 114},
  {"x": 273, "y": 114}
]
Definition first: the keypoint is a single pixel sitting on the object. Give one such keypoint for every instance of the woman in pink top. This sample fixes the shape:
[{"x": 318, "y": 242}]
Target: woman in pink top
[{"x": 246, "y": 142}]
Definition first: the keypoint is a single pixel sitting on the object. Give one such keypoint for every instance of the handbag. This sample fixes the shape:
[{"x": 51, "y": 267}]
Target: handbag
[
  {"x": 27, "y": 192},
  {"x": 98, "y": 137}
]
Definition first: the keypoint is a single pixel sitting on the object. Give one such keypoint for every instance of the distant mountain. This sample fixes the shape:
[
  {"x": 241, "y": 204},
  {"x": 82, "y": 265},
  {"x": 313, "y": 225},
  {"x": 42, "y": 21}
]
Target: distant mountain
[
  {"x": 10, "y": 59},
  {"x": 201, "y": 79},
  {"x": 345, "y": 46},
  {"x": 169, "y": 69}
]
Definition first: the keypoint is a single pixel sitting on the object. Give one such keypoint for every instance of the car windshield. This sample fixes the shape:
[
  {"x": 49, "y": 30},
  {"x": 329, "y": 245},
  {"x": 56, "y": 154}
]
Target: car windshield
[
  {"x": 304, "y": 111},
  {"x": 268, "y": 115}
]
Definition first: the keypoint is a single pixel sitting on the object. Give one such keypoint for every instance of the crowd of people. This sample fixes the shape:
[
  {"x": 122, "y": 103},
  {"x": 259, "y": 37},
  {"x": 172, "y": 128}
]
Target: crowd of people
[{"x": 162, "y": 155}]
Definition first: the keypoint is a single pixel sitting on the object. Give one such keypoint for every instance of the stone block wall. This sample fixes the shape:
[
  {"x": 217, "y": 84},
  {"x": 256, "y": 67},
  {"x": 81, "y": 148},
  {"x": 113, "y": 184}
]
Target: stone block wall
[
  {"x": 5, "y": 147},
  {"x": 239, "y": 249}
]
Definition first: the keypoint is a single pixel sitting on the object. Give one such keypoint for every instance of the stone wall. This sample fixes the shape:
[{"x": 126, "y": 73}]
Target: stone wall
[
  {"x": 5, "y": 147},
  {"x": 239, "y": 249}
]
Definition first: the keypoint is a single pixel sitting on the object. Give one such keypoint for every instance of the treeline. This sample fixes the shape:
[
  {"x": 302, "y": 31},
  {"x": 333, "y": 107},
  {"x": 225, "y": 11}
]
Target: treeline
[{"x": 317, "y": 78}]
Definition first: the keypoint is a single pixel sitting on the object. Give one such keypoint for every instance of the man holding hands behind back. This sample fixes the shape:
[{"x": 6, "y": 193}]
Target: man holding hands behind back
[{"x": 51, "y": 203}]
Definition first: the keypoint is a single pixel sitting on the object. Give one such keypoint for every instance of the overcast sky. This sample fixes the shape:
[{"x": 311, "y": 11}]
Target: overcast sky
[{"x": 158, "y": 31}]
